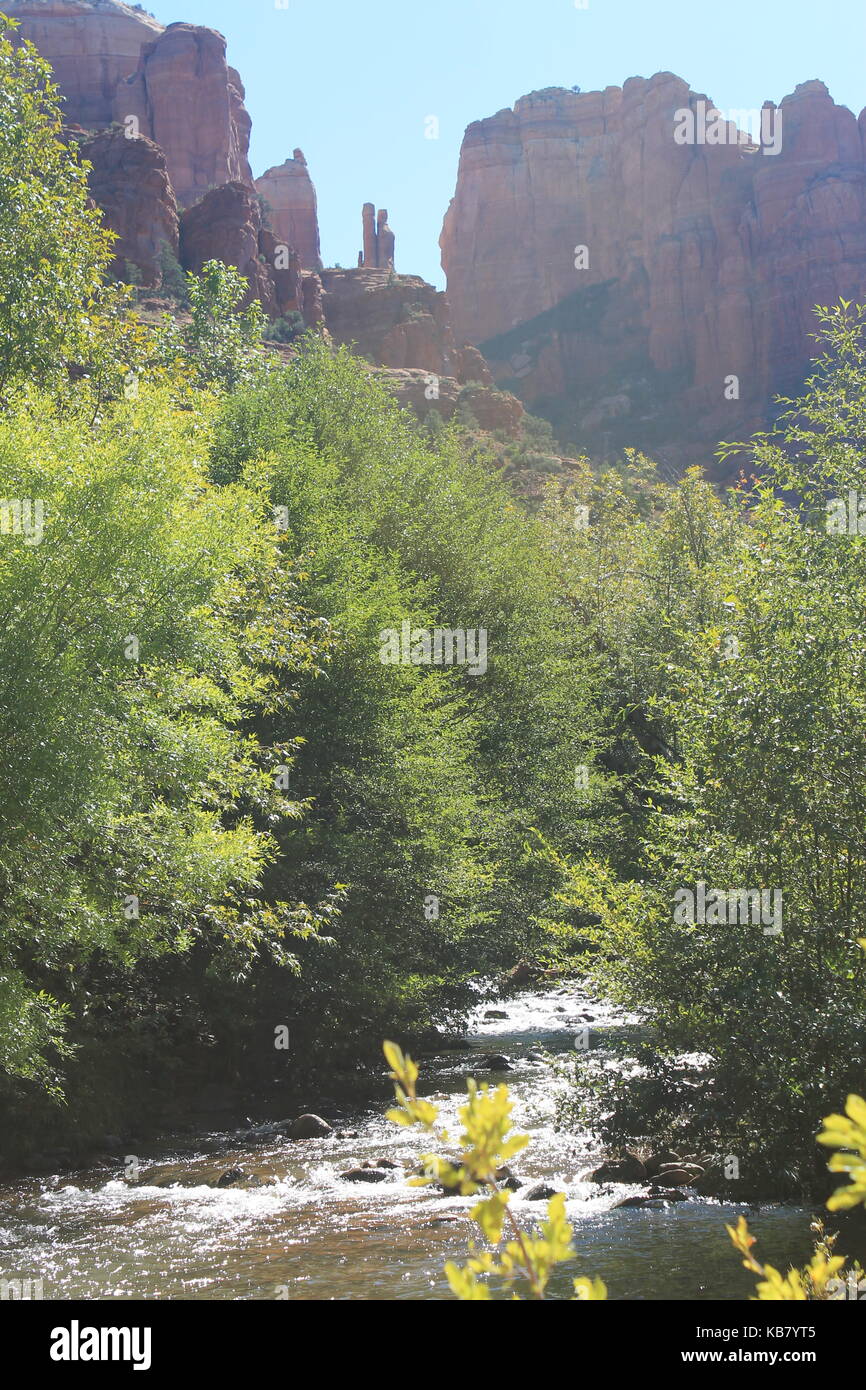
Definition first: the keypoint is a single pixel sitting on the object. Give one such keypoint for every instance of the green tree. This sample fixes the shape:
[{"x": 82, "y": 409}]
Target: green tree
[
  {"x": 745, "y": 638},
  {"x": 54, "y": 252},
  {"x": 221, "y": 343},
  {"x": 144, "y": 620}
]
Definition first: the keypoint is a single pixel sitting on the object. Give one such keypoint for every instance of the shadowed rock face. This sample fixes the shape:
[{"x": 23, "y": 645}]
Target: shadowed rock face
[
  {"x": 226, "y": 225},
  {"x": 129, "y": 182},
  {"x": 700, "y": 262}
]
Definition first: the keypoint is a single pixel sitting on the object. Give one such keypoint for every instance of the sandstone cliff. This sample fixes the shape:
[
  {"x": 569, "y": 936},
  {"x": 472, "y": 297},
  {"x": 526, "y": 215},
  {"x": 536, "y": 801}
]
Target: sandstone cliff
[
  {"x": 643, "y": 290},
  {"x": 291, "y": 208},
  {"x": 226, "y": 225},
  {"x": 129, "y": 182},
  {"x": 160, "y": 116},
  {"x": 91, "y": 45},
  {"x": 172, "y": 85},
  {"x": 186, "y": 98}
]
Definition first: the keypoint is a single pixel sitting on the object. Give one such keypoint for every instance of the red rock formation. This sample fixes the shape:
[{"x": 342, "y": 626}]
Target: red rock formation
[
  {"x": 314, "y": 315},
  {"x": 370, "y": 251},
  {"x": 91, "y": 44},
  {"x": 471, "y": 366},
  {"x": 226, "y": 225},
  {"x": 285, "y": 272},
  {"x": 378, "y": 239},
  {"x": 700, "y": 262},
  {"x": 116, "y": 64},
  {"x": 187, "y": 99},
  {"x": 288, "y": 190},
  {"x": 128, "y": 180},
  {"x": 423, "y": 392},
  {"x": 384, "y": 240},
  {"x": 395, "y": 320}
]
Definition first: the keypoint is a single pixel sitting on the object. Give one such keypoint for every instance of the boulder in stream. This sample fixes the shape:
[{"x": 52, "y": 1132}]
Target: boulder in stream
[
  {"x": 654, "y": 1199},
  {"x": 364, "y": 1175},
  {"x": 520, "y": 976},
  {"x": 626, "y": 1169},
  {"x": 658, "y": 1160},
  {"x": 495, "y": 1061},
  {"x": 309, "y": 1127},
  {"x": 678, "y": 1174},
  {"x": 541, "y": 1192},
  {"x": 231, "y": 1177}
]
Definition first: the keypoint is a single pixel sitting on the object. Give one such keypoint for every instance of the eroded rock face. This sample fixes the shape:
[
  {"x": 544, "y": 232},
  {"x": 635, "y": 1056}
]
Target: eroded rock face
[
  {"x": 292, "y": 213},
  {"x": 285, "y": 272},
  {"x": 395, "y": 320},
  {"x": 130, "y": 183},
  {"x": 311, "y": 302},
  {"x": 91, "y": 44},
  {"x": 186, "y": 98},
  {"x": 172, "y": 85},
  {"x": 422, "y": 392},
  {"x": 626, "y": 279},
  {"x": 226, "y": 225}
]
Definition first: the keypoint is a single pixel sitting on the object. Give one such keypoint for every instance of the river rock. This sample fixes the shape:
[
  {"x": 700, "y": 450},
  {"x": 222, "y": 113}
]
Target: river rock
[
  {"x": 626, "y": 1169},
  {"x": 654, "y": 1199},
  {"x": 309, "y": 1127},
  {"x": 520, "y": 976},
  {"x": 677, "y": 1174},
  {"x": 710, "y": 1183},
  {"x": 231, "y": 1177},
  {"x": 495, "y": 1061},
  {"x": 387, "y": 1163},
  {"x": 541, "y": 1192},
  {"x": 656, "y": 1161},
  {"x": 495, "y": 1013},
  {"x": 364, "y": 1175}
]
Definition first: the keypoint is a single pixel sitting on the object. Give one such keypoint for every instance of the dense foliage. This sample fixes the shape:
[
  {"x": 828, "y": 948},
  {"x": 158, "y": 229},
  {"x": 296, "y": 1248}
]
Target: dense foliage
[
  {"x": 735, "y": 650},
  {"x": 225, "y": 810}
]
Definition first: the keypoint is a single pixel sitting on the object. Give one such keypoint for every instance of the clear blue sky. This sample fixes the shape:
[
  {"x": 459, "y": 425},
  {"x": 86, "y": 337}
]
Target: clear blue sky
[{"x": 352, "y": 83}]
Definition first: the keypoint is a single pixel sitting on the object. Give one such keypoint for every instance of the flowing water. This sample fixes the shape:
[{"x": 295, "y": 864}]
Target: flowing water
[{"x": 307, "y": 1233}]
